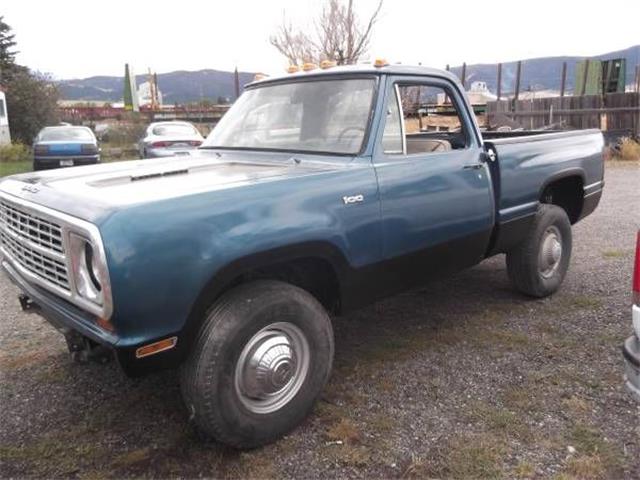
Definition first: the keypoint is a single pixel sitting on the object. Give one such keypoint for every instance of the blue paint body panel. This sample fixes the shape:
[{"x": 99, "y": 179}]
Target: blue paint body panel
[{"x": 171, "y": 239}]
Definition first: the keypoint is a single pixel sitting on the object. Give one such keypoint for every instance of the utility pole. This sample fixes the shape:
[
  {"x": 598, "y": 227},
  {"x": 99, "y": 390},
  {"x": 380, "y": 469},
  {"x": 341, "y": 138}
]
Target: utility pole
[
  {"x": 463, "y": 76},
  {"x": 236, "y": 83},
  {"x": 518, "y": 73}
]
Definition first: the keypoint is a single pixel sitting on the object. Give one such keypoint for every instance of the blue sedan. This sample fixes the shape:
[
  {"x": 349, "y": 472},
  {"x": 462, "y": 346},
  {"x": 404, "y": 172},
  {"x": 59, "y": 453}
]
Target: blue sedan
[{"x": 65, "y": 146}]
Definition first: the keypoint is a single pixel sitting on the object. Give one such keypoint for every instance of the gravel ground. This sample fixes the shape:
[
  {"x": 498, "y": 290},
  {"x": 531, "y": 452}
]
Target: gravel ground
[{"x": 462, "y": 379}]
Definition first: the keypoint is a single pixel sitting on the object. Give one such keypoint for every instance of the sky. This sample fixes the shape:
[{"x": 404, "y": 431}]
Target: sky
[{"x": 77, "y": 39}]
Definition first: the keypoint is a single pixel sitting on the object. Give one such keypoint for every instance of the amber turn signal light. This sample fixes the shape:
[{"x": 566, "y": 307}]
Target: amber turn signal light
[{"x": 156, "y": 347}]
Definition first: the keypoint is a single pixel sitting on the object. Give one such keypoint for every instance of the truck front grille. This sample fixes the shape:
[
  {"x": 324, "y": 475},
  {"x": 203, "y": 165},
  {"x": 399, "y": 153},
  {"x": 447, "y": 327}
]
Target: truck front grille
[{"x": 34, "y": 243}]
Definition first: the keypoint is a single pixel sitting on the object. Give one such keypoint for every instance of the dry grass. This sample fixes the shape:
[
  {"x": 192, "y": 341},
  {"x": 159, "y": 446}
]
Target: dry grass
[
  {"x": 577, "y": 407},
  {"x": 256, "y": 464},
  {"x": 614, "y": 253},
  {"x": 629, "y": 150},
  {"x": 524, "y": 400},
  {"x": 475, "y": 456},
  {"x": 60, "y": 450},
  {"x": 596, "y": 457},
  {"x": 417, "y": 468},
  {"x": 131, "y": 458},
  {"x": 347, "y": 455},
  {"x": 585, "y": 467},
  {"x": 381, "y": 423},
  {"x": 584, "y": 301},
  {"x": 499, "y": 421},
  {"x": 15, "y": 152},
  {"x": 344, "y": 430},
  {"x": 524, "y": 469}
]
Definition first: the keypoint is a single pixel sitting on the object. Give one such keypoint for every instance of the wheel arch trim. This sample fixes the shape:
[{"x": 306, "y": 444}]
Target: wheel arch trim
[{"x": 224, "y": 278}]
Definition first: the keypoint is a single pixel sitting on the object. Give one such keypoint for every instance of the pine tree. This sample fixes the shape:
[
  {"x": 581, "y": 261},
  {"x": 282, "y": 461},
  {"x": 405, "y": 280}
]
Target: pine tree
[
  {"x": 7, "y": 44},
  {"x": 31, "y": 96}
]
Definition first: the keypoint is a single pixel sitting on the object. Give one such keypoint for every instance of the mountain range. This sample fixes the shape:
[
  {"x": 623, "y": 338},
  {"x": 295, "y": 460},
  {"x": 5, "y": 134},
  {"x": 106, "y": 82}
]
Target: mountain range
[
  {"x": 176, "y": 87},
  {"x": 183, "y": 86},
  {"x": 543, "y": 73}
]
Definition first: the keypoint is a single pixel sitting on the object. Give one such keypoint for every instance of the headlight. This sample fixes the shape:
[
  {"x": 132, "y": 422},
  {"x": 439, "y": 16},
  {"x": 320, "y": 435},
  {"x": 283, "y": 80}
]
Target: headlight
[{"x": 87, "y": 271}]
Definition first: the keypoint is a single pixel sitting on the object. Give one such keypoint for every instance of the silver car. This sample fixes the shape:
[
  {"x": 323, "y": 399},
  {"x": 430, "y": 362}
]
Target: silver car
[{"x": 166, "y": 139}]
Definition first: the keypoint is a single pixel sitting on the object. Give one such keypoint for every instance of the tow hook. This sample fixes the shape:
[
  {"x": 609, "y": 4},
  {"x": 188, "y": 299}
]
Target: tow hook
[
  {"x": 27, "y": 304},
  {"x": 84, "y": 350}
]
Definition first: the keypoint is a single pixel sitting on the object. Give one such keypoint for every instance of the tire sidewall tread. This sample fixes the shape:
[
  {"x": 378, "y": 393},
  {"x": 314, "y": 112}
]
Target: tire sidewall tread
[
  {"x": 522, "y": 261},
  {"x": 207, "y": 378}
]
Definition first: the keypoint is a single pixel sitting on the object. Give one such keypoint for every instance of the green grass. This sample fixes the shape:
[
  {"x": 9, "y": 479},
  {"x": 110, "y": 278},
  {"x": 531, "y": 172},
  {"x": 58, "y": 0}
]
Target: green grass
[{"x": 11, "y": 168}]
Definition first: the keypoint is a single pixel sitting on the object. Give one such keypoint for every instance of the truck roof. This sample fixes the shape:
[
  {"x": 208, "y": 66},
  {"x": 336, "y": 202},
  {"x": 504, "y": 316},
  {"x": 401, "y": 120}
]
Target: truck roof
[{"x": 397, "y": 69}]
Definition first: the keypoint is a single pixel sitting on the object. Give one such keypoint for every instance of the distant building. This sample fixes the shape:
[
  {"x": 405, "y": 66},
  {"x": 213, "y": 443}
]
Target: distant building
[
  {"x": 479, "y": 94},
  {"x": 145, "y": 94},
  {"x": 5, "y": 136}
]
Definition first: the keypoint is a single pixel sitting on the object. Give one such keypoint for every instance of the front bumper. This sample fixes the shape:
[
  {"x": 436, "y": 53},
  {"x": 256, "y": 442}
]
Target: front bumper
[
  {"x": 631, "y": 353},
  {"x": 61, "y": 314},
  {"x": 69, "y": 319},
  {"x": 49, "y": 162}
]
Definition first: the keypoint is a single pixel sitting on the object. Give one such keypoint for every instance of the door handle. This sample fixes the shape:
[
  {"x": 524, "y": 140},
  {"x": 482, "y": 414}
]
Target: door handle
[{"x": 473, "y": 166}]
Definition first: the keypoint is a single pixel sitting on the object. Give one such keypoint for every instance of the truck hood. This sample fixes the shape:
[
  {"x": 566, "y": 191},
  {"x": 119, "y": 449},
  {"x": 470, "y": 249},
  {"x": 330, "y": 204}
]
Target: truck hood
[{"x": 92, "y": 192}]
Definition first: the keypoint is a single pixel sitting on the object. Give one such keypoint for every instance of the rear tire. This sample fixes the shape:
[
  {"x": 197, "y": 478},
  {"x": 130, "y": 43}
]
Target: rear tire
[
  {"x": 259, "y": 363},
  {"x": 538, "y": 265}
]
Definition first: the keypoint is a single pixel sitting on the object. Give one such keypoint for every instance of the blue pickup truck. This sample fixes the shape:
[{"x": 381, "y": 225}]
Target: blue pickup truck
[{"x": 318, "y": 192}]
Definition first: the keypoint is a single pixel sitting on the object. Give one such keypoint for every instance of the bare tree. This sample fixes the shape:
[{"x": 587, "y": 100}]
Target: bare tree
[
  {"x": 296, "y": 45},
  {"x": 339, "y": 36}
]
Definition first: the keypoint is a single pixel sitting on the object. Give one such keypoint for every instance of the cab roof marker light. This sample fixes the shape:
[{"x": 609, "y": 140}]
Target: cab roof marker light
[
  {"x": 380, "y": 62},
  {"x": 307, "y": 67},
  {"x": 293, "y": 69},
  {"x": 259, "y": 76},
  {"x": 324, "y": 64}
]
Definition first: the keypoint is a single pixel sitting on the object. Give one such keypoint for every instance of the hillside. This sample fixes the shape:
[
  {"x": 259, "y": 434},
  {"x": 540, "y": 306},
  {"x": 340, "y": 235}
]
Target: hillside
[
  {"x": 543, "y": 73},
  {"x": 182, "y": 86},
  {"x": 176, "y": 87}
]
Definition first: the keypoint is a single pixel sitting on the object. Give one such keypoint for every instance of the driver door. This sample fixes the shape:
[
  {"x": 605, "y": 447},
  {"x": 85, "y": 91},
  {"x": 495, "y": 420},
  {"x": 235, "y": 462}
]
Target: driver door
[{"x": 435, "y": 189}]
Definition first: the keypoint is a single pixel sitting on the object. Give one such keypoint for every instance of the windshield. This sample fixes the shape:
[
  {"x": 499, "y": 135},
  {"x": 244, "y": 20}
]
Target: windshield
[
  {"x": 312, "y": 116},
  {"x": 66, "y": 134},
  {"x": 174, "y": 129}
]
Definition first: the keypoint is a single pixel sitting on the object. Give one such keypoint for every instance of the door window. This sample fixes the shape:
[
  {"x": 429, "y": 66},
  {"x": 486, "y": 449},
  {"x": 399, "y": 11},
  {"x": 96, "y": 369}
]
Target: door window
[{"x": 430, "y": 121}]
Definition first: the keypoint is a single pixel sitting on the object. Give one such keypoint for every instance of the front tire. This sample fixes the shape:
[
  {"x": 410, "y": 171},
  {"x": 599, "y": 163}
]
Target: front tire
[
  {"x": 259, "y": 363},
  {"x": 538, "y": 265}
]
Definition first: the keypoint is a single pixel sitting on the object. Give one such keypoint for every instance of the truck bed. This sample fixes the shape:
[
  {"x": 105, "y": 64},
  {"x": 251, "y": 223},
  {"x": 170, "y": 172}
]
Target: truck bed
[{"x": 526, "y": 163}]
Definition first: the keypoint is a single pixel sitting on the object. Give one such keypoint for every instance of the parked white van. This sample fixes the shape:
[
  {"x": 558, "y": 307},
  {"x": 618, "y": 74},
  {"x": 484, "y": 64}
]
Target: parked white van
[{"x": 5, "y": 136}]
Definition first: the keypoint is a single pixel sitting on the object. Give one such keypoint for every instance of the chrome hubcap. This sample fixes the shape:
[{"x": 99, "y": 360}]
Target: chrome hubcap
[
  {"x": 550, "y": 252},
  {"x": 272, "y": 367}
]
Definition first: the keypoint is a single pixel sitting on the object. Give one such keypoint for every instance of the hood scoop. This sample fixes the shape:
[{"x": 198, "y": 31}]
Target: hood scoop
[{"x": 146, "y": 176}]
